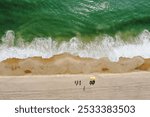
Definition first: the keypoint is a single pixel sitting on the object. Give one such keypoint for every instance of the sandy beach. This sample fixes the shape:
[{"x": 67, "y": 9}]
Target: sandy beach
[
  {"x": 69, "y": 64},
  {"x": 135, "y": 85},
  {"x": 66, "y": 76}
]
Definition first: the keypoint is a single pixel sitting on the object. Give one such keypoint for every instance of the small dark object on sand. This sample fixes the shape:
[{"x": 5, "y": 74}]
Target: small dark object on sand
[
  {"x": 84, "y": 88},
  {"x": 92, "y": 82}
]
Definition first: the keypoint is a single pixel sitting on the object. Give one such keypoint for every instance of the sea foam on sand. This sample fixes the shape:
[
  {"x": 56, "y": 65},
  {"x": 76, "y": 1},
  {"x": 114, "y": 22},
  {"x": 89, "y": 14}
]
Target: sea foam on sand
[
  {"x": 105, "y": 46},
  {"x": 46, "y": 56}
]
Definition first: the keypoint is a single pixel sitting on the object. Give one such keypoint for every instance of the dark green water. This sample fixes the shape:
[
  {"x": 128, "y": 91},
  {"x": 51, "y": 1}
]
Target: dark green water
[{"x": 69, "y": 18}]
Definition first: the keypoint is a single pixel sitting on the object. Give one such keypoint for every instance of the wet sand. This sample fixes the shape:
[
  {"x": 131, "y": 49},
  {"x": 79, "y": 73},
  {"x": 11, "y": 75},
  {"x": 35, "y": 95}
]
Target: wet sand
[
  {"x": 69, "y": 64},
  {"x": 134, "y": 85}
]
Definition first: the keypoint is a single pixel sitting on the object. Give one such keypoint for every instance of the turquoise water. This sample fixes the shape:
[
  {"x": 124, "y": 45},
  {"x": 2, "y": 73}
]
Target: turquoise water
[{"x": 63, "y": 19}]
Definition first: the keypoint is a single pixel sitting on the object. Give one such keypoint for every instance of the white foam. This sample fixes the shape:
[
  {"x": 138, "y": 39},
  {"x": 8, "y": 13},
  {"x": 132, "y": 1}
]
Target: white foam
[{"x": 95, "y": 49}]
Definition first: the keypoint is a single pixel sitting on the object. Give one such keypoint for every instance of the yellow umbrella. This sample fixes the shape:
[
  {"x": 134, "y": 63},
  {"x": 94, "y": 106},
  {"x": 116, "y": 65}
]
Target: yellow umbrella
[{"x": 92, "y": 78}]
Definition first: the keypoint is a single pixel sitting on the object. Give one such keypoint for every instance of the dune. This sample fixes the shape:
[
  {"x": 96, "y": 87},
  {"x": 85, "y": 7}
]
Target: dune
[{"x": 68, "y": 64}]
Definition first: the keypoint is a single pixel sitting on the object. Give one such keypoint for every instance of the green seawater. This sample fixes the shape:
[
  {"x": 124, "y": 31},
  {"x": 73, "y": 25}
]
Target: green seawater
[{"x": 63, "y": 19}]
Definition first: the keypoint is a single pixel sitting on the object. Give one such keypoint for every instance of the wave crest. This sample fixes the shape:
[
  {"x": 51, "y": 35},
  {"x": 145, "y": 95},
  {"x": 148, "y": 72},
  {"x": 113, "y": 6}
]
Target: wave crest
[{"x": 110, "y": 47}]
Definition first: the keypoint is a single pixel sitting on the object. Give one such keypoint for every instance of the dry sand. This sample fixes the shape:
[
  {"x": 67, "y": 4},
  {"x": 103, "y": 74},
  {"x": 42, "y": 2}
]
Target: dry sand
[{"x": 135, "y": 85}]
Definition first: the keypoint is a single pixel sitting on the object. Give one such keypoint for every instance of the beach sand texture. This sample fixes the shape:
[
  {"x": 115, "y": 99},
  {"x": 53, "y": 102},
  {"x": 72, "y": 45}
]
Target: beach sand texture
[
  {"x": 57, "y": 77},
  {"x": 69, "y": 64},
  {"x": 135, "y": 85}
]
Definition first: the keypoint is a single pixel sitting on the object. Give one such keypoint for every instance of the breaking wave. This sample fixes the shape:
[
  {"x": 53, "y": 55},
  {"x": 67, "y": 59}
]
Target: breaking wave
[{"x": 110, "y": 47}]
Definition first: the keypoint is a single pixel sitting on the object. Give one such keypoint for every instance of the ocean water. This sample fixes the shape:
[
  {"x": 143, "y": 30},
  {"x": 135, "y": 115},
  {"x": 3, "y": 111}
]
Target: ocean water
[{"x": 88, "y": 28}]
